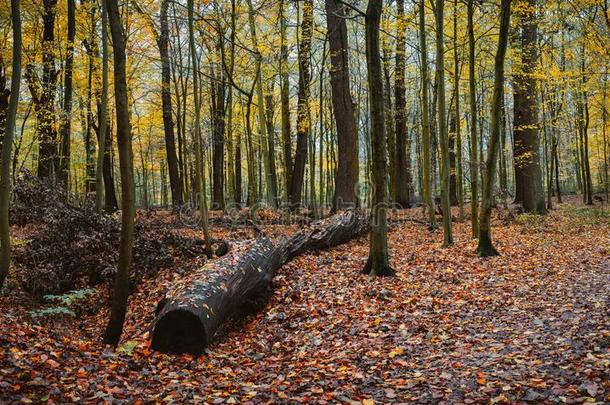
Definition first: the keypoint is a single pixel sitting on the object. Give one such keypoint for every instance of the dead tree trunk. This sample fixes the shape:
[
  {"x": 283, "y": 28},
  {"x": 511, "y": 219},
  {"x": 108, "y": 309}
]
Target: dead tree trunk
[{"x": 238, "y": 283}]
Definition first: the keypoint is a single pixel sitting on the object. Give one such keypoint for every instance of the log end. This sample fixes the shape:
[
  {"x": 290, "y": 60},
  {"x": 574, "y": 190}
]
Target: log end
[{"x": 179, "y": 331}]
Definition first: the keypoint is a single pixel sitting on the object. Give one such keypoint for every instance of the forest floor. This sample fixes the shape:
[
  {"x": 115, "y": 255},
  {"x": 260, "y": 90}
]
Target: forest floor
[{"x": 532, "y": 325}]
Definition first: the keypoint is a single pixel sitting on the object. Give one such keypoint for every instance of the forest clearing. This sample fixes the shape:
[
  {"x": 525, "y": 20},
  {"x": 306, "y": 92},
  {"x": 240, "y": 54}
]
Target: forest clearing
[{"x": 312, "y": 201}]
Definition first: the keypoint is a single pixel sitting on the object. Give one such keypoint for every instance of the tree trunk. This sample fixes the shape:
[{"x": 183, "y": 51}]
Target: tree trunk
[
  {"x": 585, "y": 122},
  {"x": 200, "y": 190},
  {"x": 303, "y": 113},
  {"x": 442, "y": 124},
  {"x": 44, "y": 97},
  {"x": 388, "y": 112},
  {"x": 458, "y": 127},
  {"x": 271, "y": 145},
  {"x": 425, "y": 109},
  {"x": 110, "y": 200},
  {"x": 528, "y": 175},
  {"x": 402, "y": 175},
  {"x": 605, "y": 145},
  {"x": 485, "y": 247},
  {"x": 237, "y": 284},
  {"x": 66, "y": 122},
  {"x": 166, "y": 100},
  {"x": 503, "y": 161},
  {"x": 8, "y": 128},
  {"x": 453, "y": 195},
  {"x": 114, "y": 329},
  {"x": 346, "y": 176},
  {"x": 218, "y": 138},
  {"x": 474, "y": 153},
  {"x": 102, "y": 118},
  {"x": 252, "y": 197},
  {"x": 556, "y": 158},
  {"x": 263, "y": 135},
  {"x": 92, "y": 55},
  {"x": 285, "y": 100},
  {"x": 377, "y": 263}
]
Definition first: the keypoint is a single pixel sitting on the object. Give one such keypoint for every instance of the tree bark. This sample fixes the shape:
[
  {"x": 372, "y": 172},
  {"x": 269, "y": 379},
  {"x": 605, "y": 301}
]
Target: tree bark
[
  {"x": 584, "y": 127},
  {"x": 474, "y": 153},
  {"x": 114, "y": 329},
  {"x": 8, "y": 129},
  {"x": 218, "y": 138},
  {"x": 285, "y": 100},
  {"x": 239, "y": 283},
  {"x": 528, "y": 175},
  {"x": 402, "y": 176},
  {"x": 200, "y": 190},
  {"x": 66, "y": 122},
  {"x": 272, "y": 181},
  {"x": 453, "y": 190},
  {"x": 442, "y": 124},
  {"x": 485, "y": 247},
  {"x": 346, "y": 176},
  {"x": 377, "y": 263},
  {"x": 264, "y": 136},
  {"x": 303, "y": 113},
  {"x": 92, "y": 55},
  {"x": 111, "y": 203},
  {"x": 43, "y": 95},
  {"x": 458, "y": 123},
  {"x": 166, "y": 100},
  {"x": 102, "y": 119},
  {"x": 425, "y": 109}
]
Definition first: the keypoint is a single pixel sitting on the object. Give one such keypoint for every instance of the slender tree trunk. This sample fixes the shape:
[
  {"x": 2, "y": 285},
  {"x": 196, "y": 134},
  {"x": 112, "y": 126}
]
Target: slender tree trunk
[
  {"x": 388, "y": 110},
  {"x": 270, "y": 182},
  {"x": 458, "y": 127},
  {"x": 285, "y": 99},
  {"x": 199, "y": 181},
  {"x": 7, "y": 144},
  {"x": 585, "y": 122},
  {"x": 271, "y": 145},
  {"x": 44, "y": 97},
  {"x": 238, "y": 179},
  {"x": 402, "y": 175},
  {"x": 218, "y": 108},
  {"x": 321, "y": 144},
  {"x": 66, "y": 122},
  {"x": 503, "y": 163},
  {"x": 303, "y": 114},
  {"x": 556, "y": 157},
  {"x": 166, "y": 101},
  {"x": 103, "y": 118},
  {"x": 231, "y": 192},
  {"x": 426, "y": 144},
  {"x": 474, "y": 153},
  {"x": 114, "y": 329},
  {"x": 442, "y": 124},
  {"x": 377, "y": 263},
  {"x": 252, "y": 197},
  {"x": 485, "y": 247},
  {"x": 548, "y": 162},
  {"x": 111, "y": 204},
  {"x": 605, "y": 143},
  {"x": 453, "y": 197},
  {"x": 92, "y": 55}
]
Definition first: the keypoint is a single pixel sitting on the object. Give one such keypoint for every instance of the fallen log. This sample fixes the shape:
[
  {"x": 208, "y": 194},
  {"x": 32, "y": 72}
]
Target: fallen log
[{"x": 238, "y": 283}]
